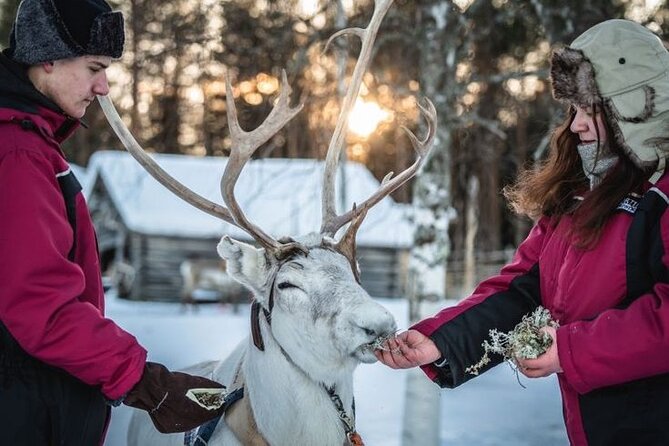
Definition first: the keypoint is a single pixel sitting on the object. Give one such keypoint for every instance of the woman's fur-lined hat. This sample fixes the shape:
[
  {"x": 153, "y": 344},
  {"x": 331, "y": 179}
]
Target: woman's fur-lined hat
[
  {"x": 623, "y": 68},
  {"x": 48, "y": 30}
]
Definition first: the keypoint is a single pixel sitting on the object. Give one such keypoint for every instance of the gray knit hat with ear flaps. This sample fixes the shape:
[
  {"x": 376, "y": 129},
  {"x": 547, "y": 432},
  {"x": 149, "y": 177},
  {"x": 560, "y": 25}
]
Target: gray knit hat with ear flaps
[
  {"x": 48, "y": 30},
  {"x": 622, "y": 67}
]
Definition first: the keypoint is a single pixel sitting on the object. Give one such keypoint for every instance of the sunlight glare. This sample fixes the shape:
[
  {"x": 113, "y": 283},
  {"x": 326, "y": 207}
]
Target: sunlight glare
[
  {"x": 642, "y": 10},
  {"x": 307, "y": 8},
  {"x": 366, "y": 117},
  {"x": 463, "y": 4}
]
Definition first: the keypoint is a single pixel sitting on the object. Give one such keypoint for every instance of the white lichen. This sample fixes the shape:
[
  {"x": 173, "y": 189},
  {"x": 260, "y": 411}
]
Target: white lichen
[
  {"x": 525, "y": 341},
  {"x": 380, "y": 343}
]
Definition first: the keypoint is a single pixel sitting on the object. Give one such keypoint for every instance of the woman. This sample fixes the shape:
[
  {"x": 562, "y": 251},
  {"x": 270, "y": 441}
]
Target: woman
[{"x": 596, "y": 257}]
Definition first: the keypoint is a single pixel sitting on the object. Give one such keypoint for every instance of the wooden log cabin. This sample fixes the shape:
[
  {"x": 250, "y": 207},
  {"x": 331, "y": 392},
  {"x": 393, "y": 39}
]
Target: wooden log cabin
[{"x": 145, "y": 232}]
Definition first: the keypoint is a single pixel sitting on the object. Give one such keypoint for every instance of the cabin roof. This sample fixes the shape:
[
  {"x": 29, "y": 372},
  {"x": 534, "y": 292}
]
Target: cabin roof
[{"x": 282, "y": 196}]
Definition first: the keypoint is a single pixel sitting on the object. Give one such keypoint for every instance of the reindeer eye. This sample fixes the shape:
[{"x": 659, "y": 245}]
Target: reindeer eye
[
  {"x": 284, "y": 285},
  {"x": 295, "y": 265}
]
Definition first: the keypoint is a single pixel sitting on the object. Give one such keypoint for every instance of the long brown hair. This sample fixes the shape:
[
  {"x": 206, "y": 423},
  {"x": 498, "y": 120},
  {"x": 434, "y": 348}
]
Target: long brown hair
[{"x": 549, "y": 188}]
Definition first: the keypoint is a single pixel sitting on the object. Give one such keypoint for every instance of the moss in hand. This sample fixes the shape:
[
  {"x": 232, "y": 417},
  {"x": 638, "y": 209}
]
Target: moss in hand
[{"x": 525, "y": 341}]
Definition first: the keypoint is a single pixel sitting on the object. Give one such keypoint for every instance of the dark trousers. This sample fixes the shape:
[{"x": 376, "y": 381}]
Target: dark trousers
[{"x": 44, "y": 406}]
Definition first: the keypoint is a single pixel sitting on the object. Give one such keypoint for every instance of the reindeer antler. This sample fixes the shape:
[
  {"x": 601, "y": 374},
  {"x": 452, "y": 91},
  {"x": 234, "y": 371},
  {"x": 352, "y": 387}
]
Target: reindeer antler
[
  {"x": 331, "y": 222},
  {"x": 246, "y": 143},
  {"x": 157, "y": 172},
  {"x": 390, "y": 184},
  {"x": 243, "y": 147},
  {"x": 367, "y": 36}
]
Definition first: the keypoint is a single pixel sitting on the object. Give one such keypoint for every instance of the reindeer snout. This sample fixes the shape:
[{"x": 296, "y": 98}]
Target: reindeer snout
[
  {"x": 377, "y": 325},
  {"x": 370, "y": 325}
]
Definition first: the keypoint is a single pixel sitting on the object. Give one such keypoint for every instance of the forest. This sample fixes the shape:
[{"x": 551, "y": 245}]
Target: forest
[{"x": 484, "y": 63}]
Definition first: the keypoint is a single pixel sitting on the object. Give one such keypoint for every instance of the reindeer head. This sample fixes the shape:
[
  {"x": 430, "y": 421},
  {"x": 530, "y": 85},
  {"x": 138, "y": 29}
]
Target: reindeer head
[
  {"x": 320, "y": 315},
  {"x": 309, "y": 284}
]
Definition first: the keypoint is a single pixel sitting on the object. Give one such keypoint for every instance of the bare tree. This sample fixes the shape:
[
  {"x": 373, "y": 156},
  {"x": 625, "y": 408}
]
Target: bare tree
[{"x": 484, "y": 63}]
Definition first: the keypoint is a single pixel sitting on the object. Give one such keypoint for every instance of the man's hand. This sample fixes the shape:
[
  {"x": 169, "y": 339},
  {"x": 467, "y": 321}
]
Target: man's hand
[
  {"x": 545, "y": 364},
  {"x": 408, "y": 349},
  {"x": 162, "y": 394}
]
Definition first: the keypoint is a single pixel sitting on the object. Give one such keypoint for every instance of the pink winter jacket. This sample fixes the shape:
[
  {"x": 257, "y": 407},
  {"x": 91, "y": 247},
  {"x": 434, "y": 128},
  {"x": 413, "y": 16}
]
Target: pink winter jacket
[
  {"x": 614, "y": 352},
  {"x": 51, "y": 299}
]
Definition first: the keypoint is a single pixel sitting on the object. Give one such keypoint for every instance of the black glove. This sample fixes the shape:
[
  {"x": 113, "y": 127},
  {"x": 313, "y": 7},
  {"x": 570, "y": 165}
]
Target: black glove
[{"x": 163, "y": 395}]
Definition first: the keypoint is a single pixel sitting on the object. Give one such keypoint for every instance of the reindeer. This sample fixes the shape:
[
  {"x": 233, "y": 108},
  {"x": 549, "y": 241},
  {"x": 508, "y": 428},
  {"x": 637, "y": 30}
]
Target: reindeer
[
  {"x": 210, "y": 275},
  {"x": 311, "y": 321}
]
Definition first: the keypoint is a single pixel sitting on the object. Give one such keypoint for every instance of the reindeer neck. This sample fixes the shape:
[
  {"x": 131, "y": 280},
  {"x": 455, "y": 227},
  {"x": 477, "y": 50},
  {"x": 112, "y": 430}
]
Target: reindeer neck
[{"x": 289, "y": 406}]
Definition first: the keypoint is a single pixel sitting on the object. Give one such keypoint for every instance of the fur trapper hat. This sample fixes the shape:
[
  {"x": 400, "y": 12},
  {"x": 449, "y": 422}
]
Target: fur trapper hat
[
  {"x": 623, "y": 68},
  {"x": 48, "y": 30}
]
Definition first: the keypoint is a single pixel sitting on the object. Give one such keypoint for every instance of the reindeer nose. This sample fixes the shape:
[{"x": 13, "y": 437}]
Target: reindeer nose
[
  {"x": 369, "y": 331},
  {"x": 382, "y": 324}
]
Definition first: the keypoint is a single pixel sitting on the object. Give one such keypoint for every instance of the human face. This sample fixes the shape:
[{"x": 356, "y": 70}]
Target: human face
[
  {"x": 74, "y": 83},
  {"x": 588, "y": 126}
]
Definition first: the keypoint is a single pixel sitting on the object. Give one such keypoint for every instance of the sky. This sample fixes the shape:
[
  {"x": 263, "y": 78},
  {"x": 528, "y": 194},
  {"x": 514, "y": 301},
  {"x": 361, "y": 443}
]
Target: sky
[{"x": 491, "y": 410}]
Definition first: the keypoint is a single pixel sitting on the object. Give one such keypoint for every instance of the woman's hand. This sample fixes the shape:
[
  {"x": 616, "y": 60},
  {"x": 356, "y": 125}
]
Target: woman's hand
[
  {"x": 546, "y": 364},
  {"x": 408, "y": 349}
]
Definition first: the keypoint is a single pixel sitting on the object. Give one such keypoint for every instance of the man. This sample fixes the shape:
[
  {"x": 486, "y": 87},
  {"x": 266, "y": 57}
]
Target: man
[{"x": 62, "y": 364}]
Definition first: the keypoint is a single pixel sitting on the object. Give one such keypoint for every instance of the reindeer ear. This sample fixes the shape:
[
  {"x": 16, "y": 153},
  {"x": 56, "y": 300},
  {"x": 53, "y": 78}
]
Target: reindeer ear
[{"x": 246, "y": 264}]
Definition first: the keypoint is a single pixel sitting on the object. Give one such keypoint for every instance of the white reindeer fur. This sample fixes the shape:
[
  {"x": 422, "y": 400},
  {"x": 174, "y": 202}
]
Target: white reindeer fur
[{"x": 322, "y": 328}]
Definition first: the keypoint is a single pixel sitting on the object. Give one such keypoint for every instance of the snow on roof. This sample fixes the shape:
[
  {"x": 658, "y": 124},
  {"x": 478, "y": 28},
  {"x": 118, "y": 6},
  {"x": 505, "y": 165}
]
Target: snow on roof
[{"x": 281, "y": 196}]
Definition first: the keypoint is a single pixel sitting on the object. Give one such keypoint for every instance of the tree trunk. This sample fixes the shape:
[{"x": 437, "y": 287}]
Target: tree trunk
[
  {"x": 472, "y": 223},
  {"x": 7, "y": 14},
  {"x": 342, "y": 59},
  {"x": 135, "y": 26},
  {"x": 439, "y": 46}
]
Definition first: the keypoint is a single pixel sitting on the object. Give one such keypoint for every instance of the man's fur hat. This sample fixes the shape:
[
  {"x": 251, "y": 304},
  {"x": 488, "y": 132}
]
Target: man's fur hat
[
  {"x": 48, "y": 30},
  {"x": 623, "y": 68}
]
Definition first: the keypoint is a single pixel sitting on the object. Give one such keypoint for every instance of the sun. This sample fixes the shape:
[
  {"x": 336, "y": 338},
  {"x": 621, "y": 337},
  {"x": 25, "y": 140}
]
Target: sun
[
  {"x": 365, "y": 117},
  {"x": 307, "y": 8}
]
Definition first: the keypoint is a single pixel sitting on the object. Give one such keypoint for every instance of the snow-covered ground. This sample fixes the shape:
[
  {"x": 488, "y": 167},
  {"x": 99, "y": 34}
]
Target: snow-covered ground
[{"x": 490, "y": 410}]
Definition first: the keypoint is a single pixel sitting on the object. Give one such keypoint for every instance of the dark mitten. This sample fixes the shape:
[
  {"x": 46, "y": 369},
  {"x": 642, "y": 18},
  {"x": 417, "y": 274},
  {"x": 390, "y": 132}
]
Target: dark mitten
[{"x": 163, "y": 395}]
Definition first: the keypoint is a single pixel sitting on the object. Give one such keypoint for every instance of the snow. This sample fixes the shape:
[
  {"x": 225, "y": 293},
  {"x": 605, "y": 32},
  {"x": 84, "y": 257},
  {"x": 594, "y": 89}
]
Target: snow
[
  {"x": 492, "y": 409},
  {"x": 282, "y": 196}
]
